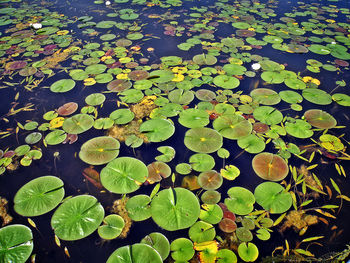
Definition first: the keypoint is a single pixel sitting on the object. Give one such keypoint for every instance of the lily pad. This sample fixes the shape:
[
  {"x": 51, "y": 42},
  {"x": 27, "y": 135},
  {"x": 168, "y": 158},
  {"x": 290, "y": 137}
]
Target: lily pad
[
  {"x": 137, "y": 253},
  {"x": 251, "y": 143},
  {"x": 210, "y": 180},
  {"x": 122, "y": 116},
  {"x": 273, "y": 197},
  {"x": 290, "y": 96},
  {"x": 175, "y": 208},
  {"x": 16, "y": 243},
  {"x": 211, "y": 213},
  {"x": 232, "y": 126},
  {"x": 203, "y": 140},
  {"x": 270, "y": 166},
  {"x": 159, "y": 242},
  {"x": 182, "y": 249},
  {"x": 157, "y": 171},
  {"x": 95, "y": 99},
  {"x": 99, "y": 150},
  {"x": 226, "y": 82},
  {"x": 78, "y": 123},
  {"x": 299, "y": 129},
  {"x": 241, "y": 201},
  {"x": 248, "y": 252},
  {"x": 67, "y": 108},
  {"x": 62, "y": 85},
  {"x": 39, "y": 196},
  {"x": 201, "y": 232},
  {"x": 77, "y": 217},
  {"x": 317, "y": 96},
  {"x": 112, "y": 227},
  {"x": 55, "y": 137},
  {"x": 203, "y": 59},
  {"x": 265, "y": 96},
  {"x": 193, "y": 118},
  {"x": 138, "y": 207},
  {"x": 123, "y": 175},
  {"x": 268, "y": 115},
  {"x": 320, "y": 119},
  {"x": 157, "y": 130}
]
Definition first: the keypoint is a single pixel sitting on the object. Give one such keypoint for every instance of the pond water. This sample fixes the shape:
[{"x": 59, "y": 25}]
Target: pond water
[{"x": 213, "y": 131}]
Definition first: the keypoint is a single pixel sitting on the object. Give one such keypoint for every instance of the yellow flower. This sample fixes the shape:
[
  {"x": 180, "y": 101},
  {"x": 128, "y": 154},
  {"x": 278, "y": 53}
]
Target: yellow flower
[
  {"x": 62, "y": 32},
  {"x": 251, "y": 29},
  {"x": 105, "y": 58},
  {"x": 122, "y": 76},
  {"x": 178, "y": 77},
  {"x": 316, "y": 81},
  {"x": 89, "y": 81},
  {"x": 56, "y": 122},
  {"x": 179, "y": 70},
  {"x": 307, "y": 79},
  {"x": 330, "y": 21}
]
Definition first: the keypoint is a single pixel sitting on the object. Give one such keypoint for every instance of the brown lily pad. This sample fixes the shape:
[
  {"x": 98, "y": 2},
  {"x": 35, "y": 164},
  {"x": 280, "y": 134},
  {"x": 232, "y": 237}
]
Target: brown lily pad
[
  {"x": 270, "y": 166},
  {"x": 157, "y": 171},
  {"x": 320, "y": 119},
  {"x": 119, "y": 85},
  {"x": 67, "y": 108},
  {"x": 138, "y": 75}
]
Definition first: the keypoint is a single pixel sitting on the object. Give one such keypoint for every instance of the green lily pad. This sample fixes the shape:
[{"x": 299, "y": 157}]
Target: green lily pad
[
  {"x": 226, "y": 256},
  {"x": 180, "y": 96},
  {"x": 203, "y": 140},
  {"x": 203, "y": 59},
  {"x": 55, "y": 137},
  {"x": 122, "y": 116},
  {"x": 290, "y": 96},
  {"x": 251, "y": 143},
  {"x": 248, "y": 252},
  {"x": 182, "y": 249},
  {"x": 159, "y": 242},
  {"x": 112, "y": 227},
  {"x": 77, "y": 217},
  {"x": 168, "y": 153},
  {"x": 16, "y": 243},
  {"x": 317, "y": 96},
  {"x": 273, "y": 197},
  {"x": 295, "y": 83},
  {"x": 78, "y": 123},
  {"x": 123, "y": 175},
  {"x": 175, "y": 208},
  {"x": 226, "y": 82},
  {"x": 341, "y": 99},
  {"x": 39, "y": 196},
  {"x": 193, "y": 118},
  {"x": 299, "y": 129},
  {"x": 272, "y": 77},
  {"x": 232, "y": 126},
  {"x": 265, "y": 96},
  {"x": 62, "y": 85},
  {"x": 138, "y": 207},
  {"x": 241, "y": 201},
  {"x": 95, "y": 99},
  {"x": 268, "y": 115},
  {"x": 212, "y": 213},
  {"x": 201, "y": 232},
  {"x": 319, "y": 49},
  {"x": 33, "y": 137},
  {"x": 157, "y": 130},
  {"x": 137, "y": 253},
  {"x": 99, "y": 150}
]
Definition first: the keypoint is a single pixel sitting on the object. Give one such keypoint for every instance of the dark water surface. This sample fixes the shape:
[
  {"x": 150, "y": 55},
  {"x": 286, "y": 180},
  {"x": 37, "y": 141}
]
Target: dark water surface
[{"x": 68, "y": 167}]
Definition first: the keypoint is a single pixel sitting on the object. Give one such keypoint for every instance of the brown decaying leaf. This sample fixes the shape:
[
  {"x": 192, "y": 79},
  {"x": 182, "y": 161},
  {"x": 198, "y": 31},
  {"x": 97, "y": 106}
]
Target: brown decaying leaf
[{"x": 93, "y": 177}]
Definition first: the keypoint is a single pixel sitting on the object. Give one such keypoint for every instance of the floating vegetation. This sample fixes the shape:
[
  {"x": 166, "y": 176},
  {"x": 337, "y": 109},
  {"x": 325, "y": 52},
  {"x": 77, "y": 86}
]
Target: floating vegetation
[{"x": 173, "y": 108}]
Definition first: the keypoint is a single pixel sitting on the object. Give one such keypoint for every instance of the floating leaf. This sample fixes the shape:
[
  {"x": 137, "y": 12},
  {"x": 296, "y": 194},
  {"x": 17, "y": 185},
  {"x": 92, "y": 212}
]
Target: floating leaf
[
  {"x": 99, "y": 150},
  {"x": 39, "y": 196}
]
